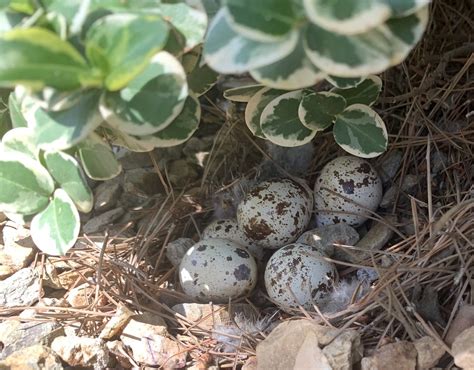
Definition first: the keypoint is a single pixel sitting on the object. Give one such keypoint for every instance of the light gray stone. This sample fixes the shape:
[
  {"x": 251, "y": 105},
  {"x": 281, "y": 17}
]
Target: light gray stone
[
  {"x": 176, "y": 250},
  {"x": 36, "y": 357},
  {"x": 389, "y": 165},
  {"x": 102, "y": 221},
  {"x": 81, "y": 351},
  {"x": 463, "y": 349},
  {"x": 344, "y": 351},
  {"x": 20, "y": 289},
  {"x": 106, "y": 195},
  {"x": 400, "y": 355},
  {"x": 429, "y": 352}
]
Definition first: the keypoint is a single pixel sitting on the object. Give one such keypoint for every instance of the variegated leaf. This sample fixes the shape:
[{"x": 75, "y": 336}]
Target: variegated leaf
[
  {"x": 226, "y": 51},
  {"x": 202, "y": 79},
  {"x": 20, "y": 140},
  {"x": 317, "y": 111},
  {"x": 181, "y": 129},
  {"x": 151, "y": 101},
  {"x": 347, "y": 17},
  {"x": 25, "y": 184},
  {"x": 55, "y": 230},
  {"x": 280, "y": 123},
  {"x": 67, "y": 172},
  {"x": 97, "y": 159},
  {"x": 242, "y": 94},
  {"x": 401, "y": 8},
  {"x": 367, "y": 92},
  {"x": 16, "y": 115},
  {"x": 132, "y": 143},
  {"x": 360, "y": 131},
  {"x": 344, "y": 83}
]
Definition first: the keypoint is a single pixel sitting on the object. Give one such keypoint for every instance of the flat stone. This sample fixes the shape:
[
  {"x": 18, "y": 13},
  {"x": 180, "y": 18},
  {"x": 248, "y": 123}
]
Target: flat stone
[
  {"x": 36, "y": 357},
  {"x": 81, "y": 351},
  {"x": 176, "y": 250},
  {"x": 400, "y": 355},
  {"x": 20, "y": 289},
  {"x": 429, "y": 352},
  {"x": 463, "y": 320},
  {"x": 344, "y": 351},
  {"x": 463, "y": 349},
  {"x": 408, "y": 186},
  {"x": 115, "y": 325},
  {"x": 13, "y": 258},
  {"x": 389, "y": 165},
  {"x": 325, "y": 237},
  {"x": 143, "y": 182},
  {"x": 106, "y": 195},
  {"x": 181, "y": 173},
  {"x": 81, "y": 296},
  {"x": 102, "y": 221},
  {"x": 132, "y": 160},
  {"x": 16, "y": 234}
]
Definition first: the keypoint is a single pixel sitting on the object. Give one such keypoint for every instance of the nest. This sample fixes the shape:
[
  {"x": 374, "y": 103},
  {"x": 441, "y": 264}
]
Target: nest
[{"x": 426, "y": 104}]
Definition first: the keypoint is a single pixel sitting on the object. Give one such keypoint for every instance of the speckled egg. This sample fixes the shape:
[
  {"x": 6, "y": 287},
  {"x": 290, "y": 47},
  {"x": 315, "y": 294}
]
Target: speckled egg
[
  {"x": 230, "y": 230},
  {"x": 351, "y": 178},
  {"x": 216, "y": 270},
  {"x": 297, "y": 274},
  {"x": 275, "y": 213}
]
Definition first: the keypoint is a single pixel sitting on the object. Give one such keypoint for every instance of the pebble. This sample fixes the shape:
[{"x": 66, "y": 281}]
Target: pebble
[
  {"x": 20, "y": 289},
  {"x": 13, "y": 258},
  {"x": 389, "y": 165},
  {"x": 439, "y": 161},
  {"x": 463, "y": 320},
  {"x": 143, "y": 182},
  {"x": 115, "y": 325},
  {"x": 344, "y": 351},
  {"x": 102, "y": 221},
  {"x": 81, "y": 296},
  {"x": 132, "y": 160},
  {"x": 37, "y": 357},
  {"x": 463, "y": 349},
  {"x": 176, "y": 250},
  {"x": 15, "y": 234},
  {"x": 429, "y": 352},
  {"x": 81, "y": 351},
  {"x": 408, "y": 186},
  {"x": 400, "y": 355},
  {"x": 182, "y": 173},
  {"x": 106, "y": 195}
]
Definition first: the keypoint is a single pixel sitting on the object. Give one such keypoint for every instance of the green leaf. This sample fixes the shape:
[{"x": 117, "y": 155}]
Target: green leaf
[
  {"x": 242, "y": 94},
  {"x": 23, "y": 6},
  {"x": 294, "y": 71},
  {"x": 19, "y": 219},
  {"x": 228, "y": 52},
  {"x": 62, "y": 129},
  {"x": 255, "y": 107},
  {"x": 367, "y": 53},
  {"x": 16, "y": 115},
  {"x": 367, "y": 92},
  {"x": 191, "y": 23},
  {"x": 280, "y": 123},
  {"x": 360, "y": 131},
  {"x": 20, "y": 140},
  {"x": 68, "y": 174},
  {"x": 190, "y": 60},
  {"x": 151, "y": 101},
  {"x": 347, "y": 17},
  {"x": 26, "y": 185},
  {"x": 401, "y": 8},
  {"x": 5, "y": 124},
  {"x": 122, "y": 45},
  {"x": 55, "y": 230},
  {"x": 9, "y": 19},
  {"x": 317, "y": 111},
  {"x": 181, "y": 129},
  {"x": 36, "y": 58},
  {"x": 344, "y": 83},
  {"x": 133, "y": 143},
  {"x": 97, "y": 159},
  {"x": 202, "y": 79},
  {"x": 262, "y": 20}
]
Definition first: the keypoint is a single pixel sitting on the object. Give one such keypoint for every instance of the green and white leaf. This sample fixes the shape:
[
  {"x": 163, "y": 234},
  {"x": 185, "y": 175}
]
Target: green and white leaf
[
  {"x": 255, "y": 107},
  {"x": 67, "y": 172},
  {"x": 36, "y": 58},
  {"x": 191, "y": 23},
  {"x": 59, "y": 130},
  {"x": 15, "y": 107},
  {"x": 344, "y": 83},
  {"x": 190, "y": 60},
  {"x": 20, "y": 140},
  {"x": 318, "y": 111},
  {"x": 226, "y": 51},
  {"x": 401, "y": 8},
  {"x": 97, "y": 159},
  {"x": 202, "y": 79},
  {"x": 263, "y": 20},
  {"x": 348, "y": 17},
  {"x": 151, "y": 101},
  {"x": 181, "y": 129},
  {"x": 25, "y": 183},
  {"x": 280, "y": 123},
  {"x": 9, "y": 19},
  {"x": 367, "y": 53},
  {"x": 55, "y": 230},
  {"x": 19, "y": 219},
  {"x": 133, "y": 143},
  {"x": 122, "y": 45},
  {"x": 242, "y": 94},
  {"x": 295, "y": 71},
  {"x": 360, "y": 131},
  {"x": 367, "y": 92}
]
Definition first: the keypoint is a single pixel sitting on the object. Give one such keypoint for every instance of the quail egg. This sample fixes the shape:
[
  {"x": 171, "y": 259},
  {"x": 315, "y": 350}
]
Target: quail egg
[
  {"x": 297, "y": 274},
  {"x": 275, "y": 213},
  {"x": 345, "y": 191},
  {"x": 230, "y": 230},
  {"x": 216, "y": 270}
]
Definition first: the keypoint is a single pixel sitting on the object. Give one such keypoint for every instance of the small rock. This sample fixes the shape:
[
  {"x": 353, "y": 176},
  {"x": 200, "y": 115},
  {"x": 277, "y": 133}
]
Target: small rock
[
  {"x": 176, "y": 250},
  {"x": 325, "y": 237},
  {"x": 115, "y": 347},
  {"x": 429, "y": 352},
  {"x": 81, "y": 296},
  {"x": 400, "y": 355},
  {"x": 15, "y": 335},
  {"x": 439, "y": 161},
  {"x": 102, "y": 221},
  {"x": 166, "y": 155},
  {"x": 13, "y": 258},
  {"x": 344, "y": 351},
  {"x": 463, "y": 349},
  {"x": 181, "y": 173},
  {"x": 463, "y": 320},
  {"x": 81, "y": 351},
  {"x": 427, "y": 304},
  {"x": 146, "y": 335},
  {"x": 71, "y": 278},
  {"x": 132, "y": 160},
  {"x": 389, "y": 165},
  {"x": 143, "y": 182},
  {"x": 20, "y": 289},
  {"x": 116, "y": 323},
  {"x": 16, "y": 234},
  {"x": 106, "y": 195},
  {"x": 36, "y": 357},
  {"x": 408, "y": 185},
  {"x": 250, "y": 364}
]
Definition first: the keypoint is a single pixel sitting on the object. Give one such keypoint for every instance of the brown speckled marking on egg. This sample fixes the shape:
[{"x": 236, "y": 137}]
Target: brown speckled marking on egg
[
  {"x": 355, "y": 179},
  {"x": 298, "y": 271},
  {"x": 216, "y": 270},
  {"x": 274, "y": 213}
]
